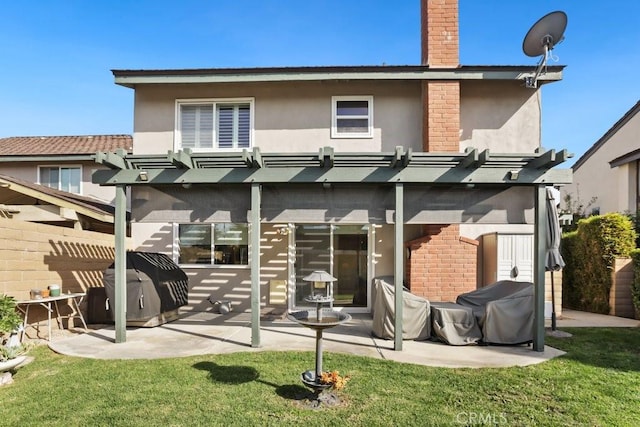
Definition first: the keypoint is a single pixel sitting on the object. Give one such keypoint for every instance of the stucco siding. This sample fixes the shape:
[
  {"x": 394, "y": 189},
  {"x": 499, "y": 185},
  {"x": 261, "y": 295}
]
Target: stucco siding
[
  {"x": 499, "y": 116},
  {"x": 297, "y": 116},
  {"x": 28, "y": 171},
  {"x": 613, "y": 188}
]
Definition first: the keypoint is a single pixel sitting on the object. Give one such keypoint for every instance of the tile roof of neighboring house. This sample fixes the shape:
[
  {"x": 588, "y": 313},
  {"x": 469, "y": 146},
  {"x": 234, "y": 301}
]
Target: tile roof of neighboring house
[
  {"x": 604, "y": 138},
  {"x": 63, "y": 145}
]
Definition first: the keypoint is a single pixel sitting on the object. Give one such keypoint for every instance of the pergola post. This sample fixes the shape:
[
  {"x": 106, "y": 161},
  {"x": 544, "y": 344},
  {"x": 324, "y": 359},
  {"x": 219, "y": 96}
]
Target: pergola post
[
  {"x": 255, "y": 264},
  {"x": 540, "y": 247},
  {"x": 120, "y": 268},
  {"x": 398, "y": 262}
]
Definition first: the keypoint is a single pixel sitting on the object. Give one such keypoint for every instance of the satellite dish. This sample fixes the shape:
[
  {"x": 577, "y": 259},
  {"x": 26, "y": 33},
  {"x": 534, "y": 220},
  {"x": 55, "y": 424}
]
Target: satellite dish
[{"x": 542, "y": 38}]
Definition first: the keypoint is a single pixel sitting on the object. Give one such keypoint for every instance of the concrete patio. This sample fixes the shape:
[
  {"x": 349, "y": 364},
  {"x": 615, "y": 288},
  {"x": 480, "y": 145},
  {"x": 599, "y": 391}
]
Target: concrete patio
[{"x": 200, "y": 333}]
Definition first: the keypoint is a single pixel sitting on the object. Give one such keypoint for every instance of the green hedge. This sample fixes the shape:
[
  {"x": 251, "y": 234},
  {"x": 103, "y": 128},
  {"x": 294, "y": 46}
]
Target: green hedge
[
  {"x": 590, "y": 254},
  {"x": 635, "y": 288}
]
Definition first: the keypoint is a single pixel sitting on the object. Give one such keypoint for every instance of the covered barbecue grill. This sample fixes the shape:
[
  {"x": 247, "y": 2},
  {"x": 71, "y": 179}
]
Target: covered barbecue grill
[{"x": 156, "y": 289}]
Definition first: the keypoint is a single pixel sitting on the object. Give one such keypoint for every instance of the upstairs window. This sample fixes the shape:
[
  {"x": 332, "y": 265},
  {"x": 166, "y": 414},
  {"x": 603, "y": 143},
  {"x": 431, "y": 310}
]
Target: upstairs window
[
  {"x": 352, "y": 117},
  {"x": 65, "y": 178},
  {"x": 214, "y": 124}
]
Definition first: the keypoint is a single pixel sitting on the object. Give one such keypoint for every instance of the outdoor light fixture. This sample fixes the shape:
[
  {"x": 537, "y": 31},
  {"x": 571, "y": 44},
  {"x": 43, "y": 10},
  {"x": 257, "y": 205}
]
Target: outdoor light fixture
[
  {"x": 143, "y": 176},
  {"x": 5, "y": 185},
  {"x": 513, "y": 175}
]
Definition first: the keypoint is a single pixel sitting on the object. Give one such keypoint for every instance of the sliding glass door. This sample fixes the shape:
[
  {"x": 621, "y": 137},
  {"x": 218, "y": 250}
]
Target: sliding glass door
[{"x": 342, "y": 251}]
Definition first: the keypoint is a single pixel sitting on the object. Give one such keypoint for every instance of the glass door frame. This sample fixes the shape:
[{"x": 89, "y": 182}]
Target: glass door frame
[{"x": 291, "y": 266}]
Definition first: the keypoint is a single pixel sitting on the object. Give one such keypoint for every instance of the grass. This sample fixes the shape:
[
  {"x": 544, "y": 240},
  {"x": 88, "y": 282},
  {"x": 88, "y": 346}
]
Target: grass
[{"x": 597, "y": 384}]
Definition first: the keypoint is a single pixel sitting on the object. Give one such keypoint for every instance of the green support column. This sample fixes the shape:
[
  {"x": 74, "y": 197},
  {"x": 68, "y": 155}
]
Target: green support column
[
  {"x": 540, "y": 249},
  {"x": 255, "y": 264},
  {"x": 120, "y": 231},
  {"x": 398, "y": 261}
]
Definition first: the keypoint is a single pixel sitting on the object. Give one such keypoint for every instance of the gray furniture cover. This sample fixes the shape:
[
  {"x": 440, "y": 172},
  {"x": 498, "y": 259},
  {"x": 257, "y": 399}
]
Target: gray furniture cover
[
  {"x": 454, "y": 324},
  {"x": 504, "y": 311},
  {"x": 416, "y": 312}
]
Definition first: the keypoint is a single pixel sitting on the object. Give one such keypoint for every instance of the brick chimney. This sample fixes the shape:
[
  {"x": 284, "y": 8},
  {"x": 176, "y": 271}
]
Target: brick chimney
[
  {"x": 443, "y": 264},
  {"x": 440, "y": 99}
]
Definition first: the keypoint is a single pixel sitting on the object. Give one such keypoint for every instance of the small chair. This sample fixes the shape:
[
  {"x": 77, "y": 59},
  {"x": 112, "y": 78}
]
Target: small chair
[
  {"x": 416, "y": 312},
  {"x": 504, "y": 311}
]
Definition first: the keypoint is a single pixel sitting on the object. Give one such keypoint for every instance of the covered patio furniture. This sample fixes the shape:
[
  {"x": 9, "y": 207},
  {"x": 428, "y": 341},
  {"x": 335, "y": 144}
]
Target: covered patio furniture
[
  {"x": 416, "y": 312},
  {"x": 504, "y": 311},
  {"x": 454, "y": 324}
]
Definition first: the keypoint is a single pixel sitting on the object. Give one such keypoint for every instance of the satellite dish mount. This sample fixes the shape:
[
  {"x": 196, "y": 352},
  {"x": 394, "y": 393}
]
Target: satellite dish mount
[{"x": 541, "y": 39}]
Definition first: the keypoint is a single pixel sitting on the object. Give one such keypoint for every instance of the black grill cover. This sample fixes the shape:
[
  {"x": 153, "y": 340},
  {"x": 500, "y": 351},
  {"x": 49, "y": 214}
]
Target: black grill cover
[{"x": 155, "y": 285}]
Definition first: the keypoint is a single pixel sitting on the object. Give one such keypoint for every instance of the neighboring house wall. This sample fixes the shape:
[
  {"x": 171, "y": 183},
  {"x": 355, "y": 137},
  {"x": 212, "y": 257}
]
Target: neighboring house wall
[
  {"x": 614, "y": 188},
  {"x": 34, "y": 256},
  {"x": 28, "y": 171},
  {"x": 499, "y": 116}
]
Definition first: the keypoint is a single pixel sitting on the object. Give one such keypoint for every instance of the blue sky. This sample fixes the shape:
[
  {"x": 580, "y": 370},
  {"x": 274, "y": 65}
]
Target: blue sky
[{"x": 56, "y": 56}]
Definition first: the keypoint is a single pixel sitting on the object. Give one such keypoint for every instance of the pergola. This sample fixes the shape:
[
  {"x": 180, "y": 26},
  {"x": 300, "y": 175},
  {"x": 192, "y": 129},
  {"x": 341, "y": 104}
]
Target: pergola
[{"x": 252, "y": 168}]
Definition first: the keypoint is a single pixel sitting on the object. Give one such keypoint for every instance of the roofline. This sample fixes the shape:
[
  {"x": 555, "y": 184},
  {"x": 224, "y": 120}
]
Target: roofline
[
  {"x": 63, "y": 202},
  {"x": 608, "y": 134},
  {"x": 625, "y": 158},
  {"x": 130, "y": 78},
  {"x": 47, "y": 158}
]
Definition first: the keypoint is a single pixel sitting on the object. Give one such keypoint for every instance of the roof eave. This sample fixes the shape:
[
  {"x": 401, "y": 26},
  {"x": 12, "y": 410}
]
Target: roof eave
[{"x": 131, "y": 78}]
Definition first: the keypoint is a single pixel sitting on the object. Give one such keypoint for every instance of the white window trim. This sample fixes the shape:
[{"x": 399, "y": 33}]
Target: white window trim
[
  {"x": 177, "y": 139},
  {"x": 80, "y": 192},
  {"x": 334, "y": 117},
  {"x": 175, "y": 248}
]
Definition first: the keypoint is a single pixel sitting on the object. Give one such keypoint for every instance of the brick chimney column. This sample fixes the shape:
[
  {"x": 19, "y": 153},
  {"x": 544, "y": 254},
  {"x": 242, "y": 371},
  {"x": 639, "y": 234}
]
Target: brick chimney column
[
  {"x": 443, "y": 264},
  {"x": 440, "y": 98}
]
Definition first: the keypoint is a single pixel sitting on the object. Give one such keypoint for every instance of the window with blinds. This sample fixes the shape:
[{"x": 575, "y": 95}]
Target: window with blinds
[{"x": 215, "y": 124}]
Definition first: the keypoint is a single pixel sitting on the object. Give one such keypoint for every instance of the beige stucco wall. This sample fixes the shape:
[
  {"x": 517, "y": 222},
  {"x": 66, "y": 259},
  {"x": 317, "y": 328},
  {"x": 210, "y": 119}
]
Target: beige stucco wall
[
  {"x": 28, "y": 171},
  {"x": 296, "y": 116},
  {"x": 614, "y": 188},
  {"x": 499, "y": 116}
]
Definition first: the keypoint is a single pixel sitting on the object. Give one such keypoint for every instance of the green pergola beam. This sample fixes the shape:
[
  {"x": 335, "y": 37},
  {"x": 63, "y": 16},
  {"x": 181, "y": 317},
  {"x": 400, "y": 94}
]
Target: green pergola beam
[
  {"x": 540, "y": 246},
  {"x": 398, "y": 265},
  {"x": 120, "y": 267},
  {"x": 336, "y": 174},
  {"x": 255, "y": 264}
]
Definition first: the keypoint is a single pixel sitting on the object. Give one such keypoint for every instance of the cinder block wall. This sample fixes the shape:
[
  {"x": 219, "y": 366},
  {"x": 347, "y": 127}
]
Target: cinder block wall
[
  {"x": 34, "y": 256},
  {"x": 442, "y": 264}
]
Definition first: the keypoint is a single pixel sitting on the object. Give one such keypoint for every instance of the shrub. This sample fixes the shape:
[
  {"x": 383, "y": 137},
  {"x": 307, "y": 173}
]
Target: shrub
[
  {"x": 590, "y": 254},
  {"x": 9, "y": 317}
]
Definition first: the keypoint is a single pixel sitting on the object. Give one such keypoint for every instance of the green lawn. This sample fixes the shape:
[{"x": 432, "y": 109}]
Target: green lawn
[{"x": 596, "y": 384}]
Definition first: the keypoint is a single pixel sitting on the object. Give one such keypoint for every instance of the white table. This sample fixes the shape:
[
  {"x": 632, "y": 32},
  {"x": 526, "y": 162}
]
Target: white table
[{"x": 75, "y": 298}]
